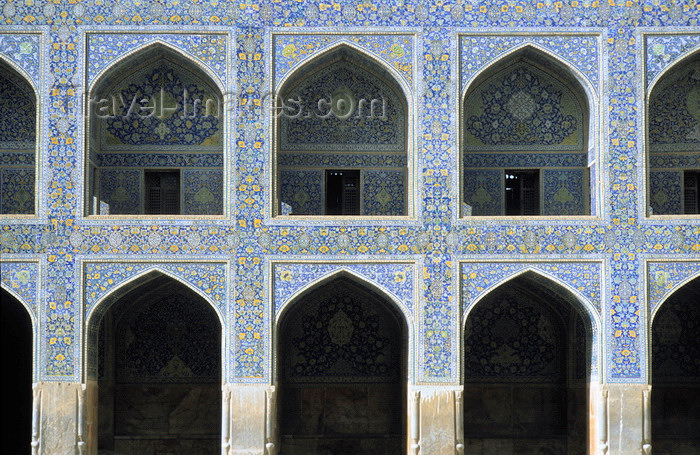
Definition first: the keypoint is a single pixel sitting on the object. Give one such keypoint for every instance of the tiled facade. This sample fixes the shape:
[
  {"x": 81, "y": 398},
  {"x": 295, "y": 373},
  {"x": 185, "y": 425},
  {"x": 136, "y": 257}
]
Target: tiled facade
[{"x": 610, "y": 233}]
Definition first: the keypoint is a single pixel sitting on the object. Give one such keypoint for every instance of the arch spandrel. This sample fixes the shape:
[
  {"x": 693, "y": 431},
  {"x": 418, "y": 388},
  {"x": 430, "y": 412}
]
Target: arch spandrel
[
  {"x": 664, "y": 279},
  {"x": 664, "y": 52},
  {"x": 104, "y": 282},
  {"x": 104, "y": 54},
  {"x": 582, "y": 279},
  {"x": 22, "y": 53},
  {"x": 290, "y": 280},
  {"x": 579, "y": 54},
  {"x": 394, "y": 52},
  {"x": 21, "y": 280},
  {"x": 567, "y": 286}
]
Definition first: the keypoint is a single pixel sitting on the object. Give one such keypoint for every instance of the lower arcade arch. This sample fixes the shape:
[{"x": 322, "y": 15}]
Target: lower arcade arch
[
  {"x": 16, "y": 341},
  {"x": 341, "y": 372},
  {"x": 675, "y": 375},
  {"x": 156, "y": 370},
  {"x": 528, "y": 349}
]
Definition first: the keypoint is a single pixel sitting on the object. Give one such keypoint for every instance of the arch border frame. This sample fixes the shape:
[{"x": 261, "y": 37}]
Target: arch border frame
[
  {"x": 275, "y": 312},
  {"x": 595, "y": 149},
  {"x": 408, "y": 92},
  {"x": 643, "y": 104},
  {"x": 583, "y": 306},
  {"x": 120, "y": 288},
  {"x": 222, "y": 86}
]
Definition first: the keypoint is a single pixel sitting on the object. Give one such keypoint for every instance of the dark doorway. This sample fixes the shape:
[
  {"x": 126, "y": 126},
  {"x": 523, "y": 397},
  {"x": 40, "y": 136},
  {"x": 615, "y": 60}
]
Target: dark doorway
[
  {"x": 342, "y": 373},
  {"x": 675, "y": 379},
  {"x": 526, "y": 368},
  {"x": 159, "y": 372},
  {"x": 16, "y": 339}
]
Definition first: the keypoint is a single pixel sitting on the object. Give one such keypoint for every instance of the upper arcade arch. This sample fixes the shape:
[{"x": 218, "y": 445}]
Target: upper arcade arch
[
  {"x": 528, "y": 138},
  {"x": 155, "y": 136},
  {"x": 18, "y": 141},
  {"x": 342, "y": 137},
  {"x": 673, "y": 139}
]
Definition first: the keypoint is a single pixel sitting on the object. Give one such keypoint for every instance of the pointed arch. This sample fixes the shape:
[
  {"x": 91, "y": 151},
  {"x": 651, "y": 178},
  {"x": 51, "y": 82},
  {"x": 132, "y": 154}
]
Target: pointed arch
[
  {"x": 672, "y": 129},
  {"x": 24, "y": 304},
  {"x": 342, "y": 335},
  {"x": 153, "y": 50},
  {"x": 12, "y": 65},
  {"x": 581, "y": 305},
  {"x": 393, "y": 302},
  {"x": 529, "y": 337},
  {"x": 679, "y": 62},
  {"x": 18, "y": 347},
  {"x": 150, "y": 341},
  {"x": 348, "y": 179},
  {"x": 509, "y": 185}
]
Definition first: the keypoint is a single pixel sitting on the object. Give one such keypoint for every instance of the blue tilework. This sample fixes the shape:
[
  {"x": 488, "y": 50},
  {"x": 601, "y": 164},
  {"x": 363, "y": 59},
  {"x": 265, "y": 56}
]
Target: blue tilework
[
  {"x": 563, "y": 192},
  {"x": 664, "y": 278},
  {"x": 581, "y": 52},
  {"x": 16, "y": 190},
  {"x": 302, "y": 190},
  {"x": 480, "y": 278},
  {"x": 665, "y": 191},
  {"x": 395, "y": 279},
  {"x": 613, "y": 36},
  {"x": 105, "y": 49},
  {"x": 22, "y": 279},
  {"x": 203, "y": 192},
  {"x": 664, "y": 50},
  {"x": 384, "y": 192},
  {"x": 24, "y": 51},
  {"x": 396, "y": 51},
  {"x": 101, "y": 279},
  {"x": 120, "y": 189}
]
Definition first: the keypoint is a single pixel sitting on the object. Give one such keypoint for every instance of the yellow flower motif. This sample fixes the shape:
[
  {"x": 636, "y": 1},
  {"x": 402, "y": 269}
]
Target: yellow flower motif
[
  {"x": 400, "y": 277},
  {"x": 397, "y": 51},
  {"x": 289, "y": 50},
  {"x": 286, "y": 275}
]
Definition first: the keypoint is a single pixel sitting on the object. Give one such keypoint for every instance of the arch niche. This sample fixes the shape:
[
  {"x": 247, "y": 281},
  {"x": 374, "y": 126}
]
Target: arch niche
[
  {"x": 673, "y": 140},
  {"x": 155, "y": 137},
  {"x": 341, "y": 370},
  {"x": 675, "y": 375},
  {"x": 526, "y": 142},
  {"x": 16, "y": 336},
  {"x": 527, "y": 367},
  {"x": 18, "y": 144},
  {"x": 342, "y": 141},
  {"x": 154, "y": 356}
]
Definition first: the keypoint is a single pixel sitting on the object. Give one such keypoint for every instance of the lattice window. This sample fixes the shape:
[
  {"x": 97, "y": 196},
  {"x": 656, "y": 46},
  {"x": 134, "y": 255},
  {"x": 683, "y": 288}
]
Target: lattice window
[{"x": 162, "y": 192}]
